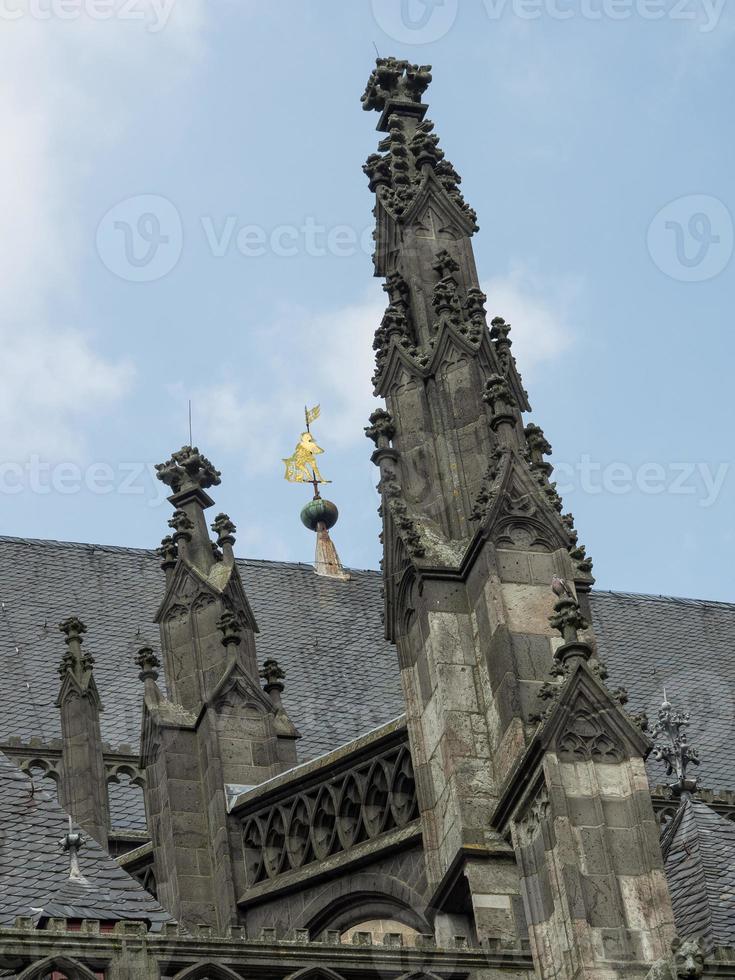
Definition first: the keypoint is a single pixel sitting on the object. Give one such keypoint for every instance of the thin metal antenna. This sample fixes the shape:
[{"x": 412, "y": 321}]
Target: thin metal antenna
[
  {"x": 376, "y": 49},
  {"x": 191, "y": 441}
]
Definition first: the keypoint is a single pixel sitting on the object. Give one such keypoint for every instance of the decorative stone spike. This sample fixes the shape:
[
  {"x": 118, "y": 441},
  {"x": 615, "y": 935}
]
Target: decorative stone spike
[
  {"x": 568, "y": 619},
  {"x": 381, "y": 429},
  {"x": 273, "y": 676},
  {"x": 231, "y": 630},
  {"x": 148, "y": 663},
  {"x": 169, "y": 555}
]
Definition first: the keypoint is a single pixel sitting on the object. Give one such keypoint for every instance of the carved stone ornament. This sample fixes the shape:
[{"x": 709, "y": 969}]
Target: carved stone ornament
[
  {"x": 230, "y": 628},
  {"x": 148, "y": 663},
  {"x": 584, "y": 737},
  {"x": 529, "y": 826},
  {"x": 393, "y": 78},
  {"x": 224, "y": 528},
  {"x": 188, "y": 468},
  {"x": 381, "y": 429},
  {"x": 686, "y": 963}
]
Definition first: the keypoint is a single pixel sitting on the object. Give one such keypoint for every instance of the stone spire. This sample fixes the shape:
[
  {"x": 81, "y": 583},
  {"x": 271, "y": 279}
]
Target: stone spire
[
  {"x": 216, "y": 726},
  {"x": 190, "y": 475},
  {"x": 83, "y": 784},
  {"x": 473, "y": 534}
]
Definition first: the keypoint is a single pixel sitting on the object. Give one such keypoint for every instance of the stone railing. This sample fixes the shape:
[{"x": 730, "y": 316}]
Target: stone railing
[{"x": 342, "y": 801}]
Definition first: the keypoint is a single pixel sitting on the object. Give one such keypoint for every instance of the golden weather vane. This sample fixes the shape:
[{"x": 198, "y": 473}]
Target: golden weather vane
[{"x": 301, "y": 467}]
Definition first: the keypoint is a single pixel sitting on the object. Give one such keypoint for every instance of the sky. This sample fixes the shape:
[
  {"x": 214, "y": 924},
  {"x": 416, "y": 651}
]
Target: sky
[{"x": 185, "y": 218}]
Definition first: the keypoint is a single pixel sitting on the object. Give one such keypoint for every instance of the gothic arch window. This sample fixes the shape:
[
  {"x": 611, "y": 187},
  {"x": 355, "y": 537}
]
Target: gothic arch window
[
  {"x": 363, "y": 909},
  {"x": 59, "y": 968},
  {"x": 207, "y": 971}
]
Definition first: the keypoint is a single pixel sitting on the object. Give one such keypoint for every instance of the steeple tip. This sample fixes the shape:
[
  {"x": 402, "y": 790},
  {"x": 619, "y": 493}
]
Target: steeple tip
[{"x": 396, "y": 85}]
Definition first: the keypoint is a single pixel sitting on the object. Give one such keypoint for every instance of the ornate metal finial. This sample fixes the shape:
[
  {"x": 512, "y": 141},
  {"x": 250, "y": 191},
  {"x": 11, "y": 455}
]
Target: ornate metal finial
[
  {"x": 301, "y": 466},
  {"x": 188, "y": 469},
  {"x": 71, "y": 843},
  {"x": 381, "y": 429},
  {"x": 230, "y": 628},
  {"x": 148, "y": 663},
  {"x": 224, "y": 529},
  {"x": 676, "y": 753}
]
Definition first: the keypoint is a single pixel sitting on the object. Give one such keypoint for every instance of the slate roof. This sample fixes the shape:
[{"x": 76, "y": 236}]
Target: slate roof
[
  {"x": 34, "y": 872},
  {"x": 686, "y": 646},
  {"x": 342, "y": 676},
  {"x": 699, "y": 856}
]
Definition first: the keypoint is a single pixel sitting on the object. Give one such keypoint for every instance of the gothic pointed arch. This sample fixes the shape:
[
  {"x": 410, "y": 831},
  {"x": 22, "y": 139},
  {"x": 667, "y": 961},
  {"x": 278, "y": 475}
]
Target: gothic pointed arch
[
  {"x": 362, "y": 897},
  {"x": 315, "y": 973},
  {"x": 57, "y": 964},
  {"x": 207, "y": 970}
]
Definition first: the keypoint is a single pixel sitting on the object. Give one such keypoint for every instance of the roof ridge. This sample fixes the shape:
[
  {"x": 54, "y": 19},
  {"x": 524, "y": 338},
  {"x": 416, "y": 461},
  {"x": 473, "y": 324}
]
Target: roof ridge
[
  {"x": 649, "y": 597},
  {"x": 151, "y": 552}
]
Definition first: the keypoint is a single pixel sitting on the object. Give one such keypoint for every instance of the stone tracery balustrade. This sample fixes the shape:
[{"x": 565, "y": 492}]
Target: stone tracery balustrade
[{"x": 364, "y": 800}]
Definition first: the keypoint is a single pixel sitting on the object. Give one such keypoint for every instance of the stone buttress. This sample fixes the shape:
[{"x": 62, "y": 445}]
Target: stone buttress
[
  {"x": 473, "y": 530},
  {"x": 83, "y": 784},
  {"x": 216, "y": 726}
]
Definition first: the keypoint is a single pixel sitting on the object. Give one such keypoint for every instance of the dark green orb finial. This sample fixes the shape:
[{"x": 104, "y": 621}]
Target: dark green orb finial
[{"x": 319, "y": 511}]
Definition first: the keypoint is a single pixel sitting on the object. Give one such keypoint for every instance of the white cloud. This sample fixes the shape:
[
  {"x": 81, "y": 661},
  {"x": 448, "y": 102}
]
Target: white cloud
[
  {"x": 328, "y": 358},
  {"x": 68, "y": 88},
  {"x": 301, "y": 358},
  {"x": 49, "y": 383},
  {"x": 538, "y": 310}
]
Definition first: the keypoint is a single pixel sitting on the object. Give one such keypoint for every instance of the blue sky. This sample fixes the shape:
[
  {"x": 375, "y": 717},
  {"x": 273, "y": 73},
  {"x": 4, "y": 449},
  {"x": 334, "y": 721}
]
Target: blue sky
[{"x": 595, "y": 142}]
